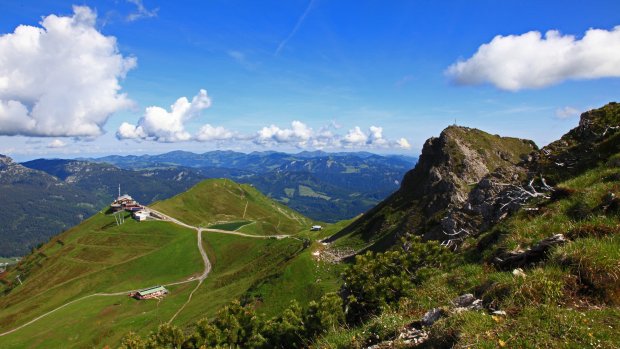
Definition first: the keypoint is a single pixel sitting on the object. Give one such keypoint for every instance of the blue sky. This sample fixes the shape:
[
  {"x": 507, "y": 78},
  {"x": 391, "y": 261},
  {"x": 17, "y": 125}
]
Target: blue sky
[{"x": 330, "y": 66}]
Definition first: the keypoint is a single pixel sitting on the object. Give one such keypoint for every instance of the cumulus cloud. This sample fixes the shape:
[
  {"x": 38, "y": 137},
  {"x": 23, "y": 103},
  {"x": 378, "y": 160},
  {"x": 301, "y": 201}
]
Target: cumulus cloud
[
  {"x": 531, "y": 60},
  {"x": 57, "y": 143},
  {"x": 60, "y": 79},
  {"x": 355, "y": 137},
  {"x": 403, "y": 143},
  {"x": 210, "y": 133},
  {"x": 566, "y": 112},
  {"x": 298, "y": 134},
  {"x": 161, "y": 125},
  {"x": 373, "y": 139},
  {"x": 376, "y": 136}
]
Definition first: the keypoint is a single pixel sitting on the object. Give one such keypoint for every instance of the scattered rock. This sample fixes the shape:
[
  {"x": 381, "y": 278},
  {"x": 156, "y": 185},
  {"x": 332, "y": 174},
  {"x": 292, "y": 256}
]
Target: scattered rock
[
  {"x": 519, "y": 272},
  {"x": 412, "y": 336},
  {"x": 464, "y": 301},
  {"x": 409, "y": 336},
  {"x": 432, "y": 316},
  {"x": 499, "y": 313}
]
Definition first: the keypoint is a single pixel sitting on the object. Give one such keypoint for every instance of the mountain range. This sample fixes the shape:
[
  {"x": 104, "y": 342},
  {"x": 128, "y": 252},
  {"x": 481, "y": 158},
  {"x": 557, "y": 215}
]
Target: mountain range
[{"x": 46, "y": 196}]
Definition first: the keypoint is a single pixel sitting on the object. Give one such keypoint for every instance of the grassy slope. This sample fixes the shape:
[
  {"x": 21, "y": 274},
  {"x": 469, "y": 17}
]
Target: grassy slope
[
  {"x": 98, "y": 321},
  {"x": 268, "y": 272},
  {"x": 96, "y": 256},
  {"x": 218, "y": 201},
  {"x": 571, "y": 300}
]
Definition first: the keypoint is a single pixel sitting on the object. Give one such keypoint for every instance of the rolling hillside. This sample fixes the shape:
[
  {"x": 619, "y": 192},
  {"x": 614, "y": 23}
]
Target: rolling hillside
[
  {"x": 94, "y": 257},
  {"x": 82, "y": 277},
  {"x": 214, "y": 202}
]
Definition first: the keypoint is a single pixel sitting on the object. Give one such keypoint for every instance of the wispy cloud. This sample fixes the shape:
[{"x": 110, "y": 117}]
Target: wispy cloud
[
  {"x": 403, "y": 81},
  {"x": 242, "y": 59},
  {"x": 57, "y": 143},
  {"x": 566, "y": 112},
  {"x": 142, "y": 11},
  {"x": 295, "y": 28}
]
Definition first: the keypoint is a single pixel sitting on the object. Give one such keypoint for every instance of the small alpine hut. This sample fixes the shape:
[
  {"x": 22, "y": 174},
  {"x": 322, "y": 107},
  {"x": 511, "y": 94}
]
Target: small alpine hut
[
  {"x": 140, "y": 216},
  {"x": 316, "y": 228},
  {"x": 148, "y": 293}
]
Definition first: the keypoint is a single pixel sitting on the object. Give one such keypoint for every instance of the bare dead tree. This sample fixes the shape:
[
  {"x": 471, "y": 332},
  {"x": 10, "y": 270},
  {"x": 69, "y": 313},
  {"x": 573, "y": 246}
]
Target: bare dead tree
[
  {"x": 609, "y": 128},
  {"x": 520, "y": 194},
  {"x": 456, "y": 237}
]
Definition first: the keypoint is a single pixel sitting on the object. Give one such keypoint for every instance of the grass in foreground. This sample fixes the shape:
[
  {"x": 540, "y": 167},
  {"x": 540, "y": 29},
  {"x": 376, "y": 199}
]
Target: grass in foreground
[{"x": 569, "y": 300}]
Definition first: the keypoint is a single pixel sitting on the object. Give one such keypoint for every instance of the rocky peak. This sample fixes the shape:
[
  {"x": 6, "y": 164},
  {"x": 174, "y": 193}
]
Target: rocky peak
[
  {"x": 449, "y": 167},
  {"x": 5, "y": 161},
  {"x": 451, "y": 164}
]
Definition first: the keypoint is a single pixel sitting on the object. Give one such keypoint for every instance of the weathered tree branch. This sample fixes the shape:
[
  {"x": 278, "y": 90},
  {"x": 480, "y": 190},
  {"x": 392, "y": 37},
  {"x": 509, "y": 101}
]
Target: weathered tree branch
[{"x": 534, "y": 254}]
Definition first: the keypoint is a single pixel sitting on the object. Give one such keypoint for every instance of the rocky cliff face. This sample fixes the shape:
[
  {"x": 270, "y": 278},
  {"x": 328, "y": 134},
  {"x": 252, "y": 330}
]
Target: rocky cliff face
[
  {"x": 453, "y": 163},
  {"x": 450, "y": 166}
]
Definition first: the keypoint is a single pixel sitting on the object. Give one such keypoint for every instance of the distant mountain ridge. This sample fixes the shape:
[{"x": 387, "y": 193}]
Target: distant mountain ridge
[
  {"x": 324, "y": 186},
  {"x": 254, "y": 161}
]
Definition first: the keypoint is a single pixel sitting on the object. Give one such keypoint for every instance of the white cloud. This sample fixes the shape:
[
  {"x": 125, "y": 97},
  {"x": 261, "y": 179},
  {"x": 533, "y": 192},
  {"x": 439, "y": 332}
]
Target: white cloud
[
  {"x": 242, "y": 59},
  {"x": 57, "y": 143},
  {"x": 60, "y": 79},
  {"x": 325, "y": 138},
  {"x": 210, "y": 133},
  {"x": 566, "y": 112},
  {"x": 298, "y": 134},
  {"x": 403, "y": 143},
  {"x": 355, "y": 137},
  {"x": 161, "y": 125},
  {"x": 376, "y": 137},
  {"x": 141, "y": 11},
  {"x": 530, "y": 60}
]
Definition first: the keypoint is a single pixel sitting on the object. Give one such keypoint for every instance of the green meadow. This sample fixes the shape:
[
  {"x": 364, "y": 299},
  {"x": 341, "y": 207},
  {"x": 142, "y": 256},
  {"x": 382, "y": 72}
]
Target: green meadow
[
  {"x": 221, "y": 201},
  {"x": 98, "y": 256}
]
